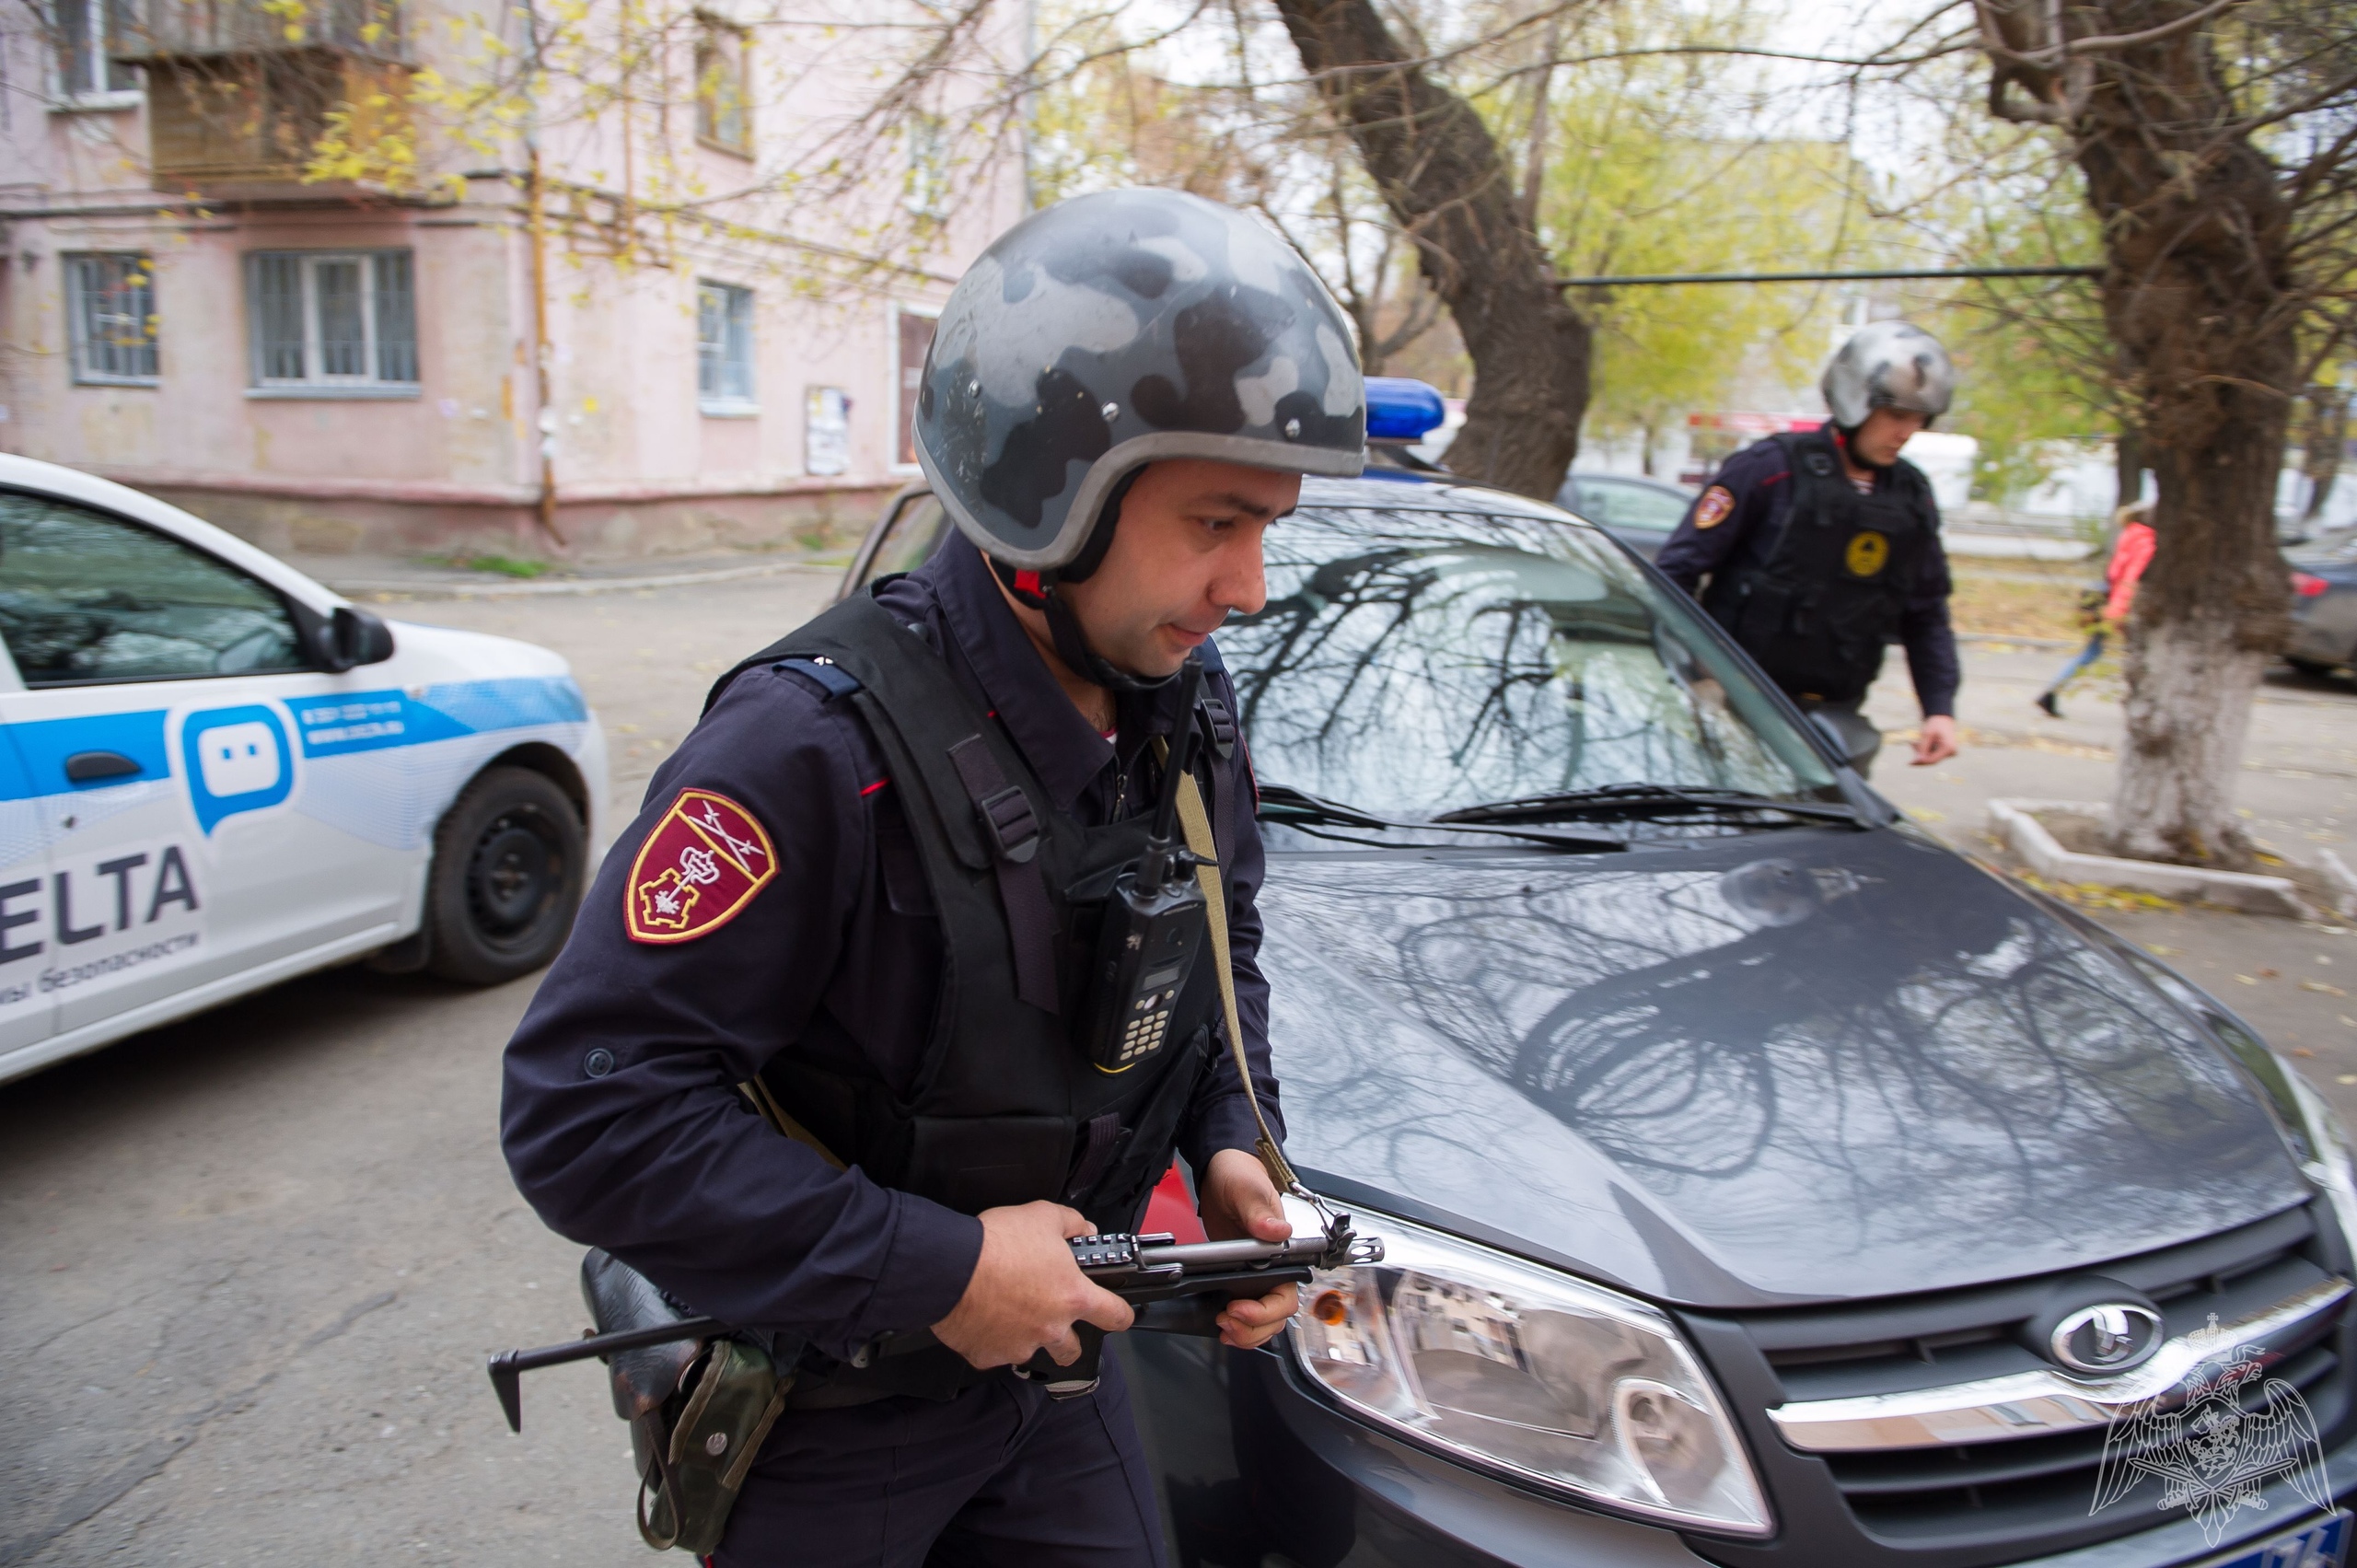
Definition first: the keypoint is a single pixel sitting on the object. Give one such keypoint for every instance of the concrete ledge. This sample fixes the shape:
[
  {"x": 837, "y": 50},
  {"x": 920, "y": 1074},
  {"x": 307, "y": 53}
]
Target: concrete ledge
[
  {"x": 2342, "y": 882},
  {"x": 2012, "y": 821}
]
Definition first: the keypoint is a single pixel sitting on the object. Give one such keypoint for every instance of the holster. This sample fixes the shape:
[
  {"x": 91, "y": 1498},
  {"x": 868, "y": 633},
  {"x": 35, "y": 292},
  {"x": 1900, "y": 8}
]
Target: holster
[{"x": 699, "y": 1410}]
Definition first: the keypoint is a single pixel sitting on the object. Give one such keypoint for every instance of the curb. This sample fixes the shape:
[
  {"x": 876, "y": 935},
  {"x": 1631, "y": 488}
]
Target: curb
[
  {"x": 570, "y": 586},
  {"x": 2012, "y": 822}
]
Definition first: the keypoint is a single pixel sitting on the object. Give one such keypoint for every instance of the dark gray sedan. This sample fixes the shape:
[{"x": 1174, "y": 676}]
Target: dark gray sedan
[
  {"x": 1762, "y": 1181},
  {"x": 2324, "y": 606},
  {"x": 1640, "y": 513}
]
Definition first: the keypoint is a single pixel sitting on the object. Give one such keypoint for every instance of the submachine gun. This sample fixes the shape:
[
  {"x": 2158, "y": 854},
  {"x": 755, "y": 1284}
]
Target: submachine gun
[{"x": 1176, "y": 1287}]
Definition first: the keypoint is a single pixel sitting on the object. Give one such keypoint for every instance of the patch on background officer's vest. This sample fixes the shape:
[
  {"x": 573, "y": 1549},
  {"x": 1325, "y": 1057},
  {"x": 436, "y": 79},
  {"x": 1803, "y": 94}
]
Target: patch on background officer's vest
[
  {"x": 1713, "y": 510},
  {"x": 1866, "y": 553},
  {"x": 703, "y": 862}
]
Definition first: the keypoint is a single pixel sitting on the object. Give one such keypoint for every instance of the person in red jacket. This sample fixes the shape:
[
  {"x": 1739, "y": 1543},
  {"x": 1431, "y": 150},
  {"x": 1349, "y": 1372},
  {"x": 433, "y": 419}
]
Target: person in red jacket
[{"x": 2131, "y": 553}]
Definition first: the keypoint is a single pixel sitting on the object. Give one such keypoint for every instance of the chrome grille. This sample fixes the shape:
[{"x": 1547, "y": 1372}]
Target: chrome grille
[{"x": 1997, "y": 1501}]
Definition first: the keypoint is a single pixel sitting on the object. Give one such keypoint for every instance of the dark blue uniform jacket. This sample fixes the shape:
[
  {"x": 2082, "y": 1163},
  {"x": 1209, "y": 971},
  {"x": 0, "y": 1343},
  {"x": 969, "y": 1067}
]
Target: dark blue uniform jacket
[
  {"x": 659, "y": 1159},
  {"x": 1760, "y": 479}
]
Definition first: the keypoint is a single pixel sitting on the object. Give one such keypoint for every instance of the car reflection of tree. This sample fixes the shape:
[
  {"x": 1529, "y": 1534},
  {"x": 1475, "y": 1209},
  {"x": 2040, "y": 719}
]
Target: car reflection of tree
[
  {"x": 1429, "y": 671},
  {"x": 122, "y": 635},
  {"x": 2035, "y": 1037}
]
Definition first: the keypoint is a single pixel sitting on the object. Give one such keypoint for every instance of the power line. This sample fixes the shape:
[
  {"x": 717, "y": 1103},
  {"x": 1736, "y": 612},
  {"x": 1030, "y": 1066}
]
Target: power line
[{"x": 1649, "y": 279}]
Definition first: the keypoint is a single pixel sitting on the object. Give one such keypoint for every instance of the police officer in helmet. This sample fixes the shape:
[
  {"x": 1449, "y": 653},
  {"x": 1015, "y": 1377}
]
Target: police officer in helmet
[
  {"x": 863, "y": 890},
  {"x": 1818, "y": 548}
]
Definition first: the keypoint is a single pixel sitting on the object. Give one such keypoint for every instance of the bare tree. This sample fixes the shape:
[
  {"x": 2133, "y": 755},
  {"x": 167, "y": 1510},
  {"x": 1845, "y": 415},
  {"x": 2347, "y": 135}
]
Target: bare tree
[
  {"x": 2217, "y": 140},
  {"x": 1445, "y": 180}
]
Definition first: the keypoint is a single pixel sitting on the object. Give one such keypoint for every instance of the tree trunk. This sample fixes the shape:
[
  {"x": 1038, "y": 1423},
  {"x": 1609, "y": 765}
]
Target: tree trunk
[
  {"x": 2128, "y": 468},
  {"x": 2196, "y": 293},
  {"x": 1444, "y": 177}
]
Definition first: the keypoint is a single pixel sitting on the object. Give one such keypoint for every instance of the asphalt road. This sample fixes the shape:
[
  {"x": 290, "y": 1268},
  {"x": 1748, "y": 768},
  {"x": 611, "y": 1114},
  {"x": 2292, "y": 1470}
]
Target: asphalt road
[{"x": 250, "y": 1265}]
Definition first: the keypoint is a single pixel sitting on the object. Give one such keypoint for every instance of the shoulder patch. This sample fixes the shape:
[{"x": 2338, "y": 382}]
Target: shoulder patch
[
  {"x": 697, "y": 870},
  {"x": 1713, "y": 508}
]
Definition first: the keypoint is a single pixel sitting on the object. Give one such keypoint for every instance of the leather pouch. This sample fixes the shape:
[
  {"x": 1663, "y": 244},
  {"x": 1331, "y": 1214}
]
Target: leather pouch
[{"x": 698, "y": 1408}]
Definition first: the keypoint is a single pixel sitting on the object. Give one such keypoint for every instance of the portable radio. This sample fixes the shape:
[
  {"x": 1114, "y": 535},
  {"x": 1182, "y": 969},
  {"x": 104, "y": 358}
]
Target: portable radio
[{"x": 1153, "y": 926}]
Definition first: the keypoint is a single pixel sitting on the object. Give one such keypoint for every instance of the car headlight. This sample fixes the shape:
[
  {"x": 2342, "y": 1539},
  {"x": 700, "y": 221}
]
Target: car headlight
[
  {"x": 1507, "y": 1365},
  {"x": 2331, "y": 1164}
]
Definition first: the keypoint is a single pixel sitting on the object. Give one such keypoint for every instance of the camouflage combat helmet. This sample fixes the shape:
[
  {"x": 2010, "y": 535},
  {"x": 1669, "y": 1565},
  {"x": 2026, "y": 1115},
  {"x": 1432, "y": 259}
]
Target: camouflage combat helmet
[
  {"x": 1888, "y": 365},
  {"x": 1113, "y": 330}
]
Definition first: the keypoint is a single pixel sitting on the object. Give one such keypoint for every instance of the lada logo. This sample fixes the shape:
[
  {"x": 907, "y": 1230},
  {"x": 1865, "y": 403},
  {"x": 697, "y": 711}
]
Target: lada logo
[{"x": 2098, "y": 1340}]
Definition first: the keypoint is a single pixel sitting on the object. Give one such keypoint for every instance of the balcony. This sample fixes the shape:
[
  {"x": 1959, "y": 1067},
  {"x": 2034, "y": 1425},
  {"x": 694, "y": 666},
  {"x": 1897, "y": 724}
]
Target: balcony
[
  {"x": 240, "y": 92},
  {"x": 172, "y": 31}
]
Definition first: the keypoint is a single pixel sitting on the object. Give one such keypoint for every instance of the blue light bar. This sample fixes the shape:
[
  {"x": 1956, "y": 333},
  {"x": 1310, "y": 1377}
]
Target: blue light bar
[{"x": 1399, "y": 408}]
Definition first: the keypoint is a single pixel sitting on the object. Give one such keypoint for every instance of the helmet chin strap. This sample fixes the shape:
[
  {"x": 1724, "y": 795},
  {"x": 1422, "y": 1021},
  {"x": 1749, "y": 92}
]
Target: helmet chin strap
[
  {"x": 1072, "y": 646},
  {"x": 1038, "y": 589},
  {"x": 1846, "y": 438}
]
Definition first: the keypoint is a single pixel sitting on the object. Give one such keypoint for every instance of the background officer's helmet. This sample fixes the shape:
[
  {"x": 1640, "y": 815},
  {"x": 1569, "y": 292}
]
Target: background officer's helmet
[
  {"x": 1112, "y": 331},
  {"x": 1888, "y": 365}
]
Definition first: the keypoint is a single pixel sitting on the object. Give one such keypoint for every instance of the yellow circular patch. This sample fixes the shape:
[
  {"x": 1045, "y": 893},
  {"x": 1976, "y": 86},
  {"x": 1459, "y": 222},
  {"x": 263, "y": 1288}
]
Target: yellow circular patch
[{"x": 1866, "y": 554}]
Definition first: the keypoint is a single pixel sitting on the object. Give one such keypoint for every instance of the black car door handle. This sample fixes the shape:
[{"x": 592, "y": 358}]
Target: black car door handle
[{"x": 96, "y": 767}]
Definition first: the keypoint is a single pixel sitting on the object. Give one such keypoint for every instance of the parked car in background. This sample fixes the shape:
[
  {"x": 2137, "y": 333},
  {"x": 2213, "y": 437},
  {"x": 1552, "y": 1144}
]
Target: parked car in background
[
  {"x": 1640, "y": 513},
  {"x": 217, "y": 774},
  {"x": 1763, "y": 1183},
  {"x": 2324, "y": 605}
]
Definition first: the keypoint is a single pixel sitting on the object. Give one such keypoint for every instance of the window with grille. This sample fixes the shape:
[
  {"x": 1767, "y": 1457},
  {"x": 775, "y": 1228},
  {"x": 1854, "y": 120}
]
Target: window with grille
[
  {"x": 83, "y": 32},
  {"x": 723, "y": 90},
  {"x": 724, "y": 348},
  {"x": 111, "y": 310},
  {"x": 333, "y": 320}
]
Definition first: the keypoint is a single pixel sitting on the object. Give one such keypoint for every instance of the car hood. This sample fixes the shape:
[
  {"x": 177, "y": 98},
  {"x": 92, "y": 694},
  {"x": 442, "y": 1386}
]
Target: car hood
[{"x": 1792, "y": 1067}]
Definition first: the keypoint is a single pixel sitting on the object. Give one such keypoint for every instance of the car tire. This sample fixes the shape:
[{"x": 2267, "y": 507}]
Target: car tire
[
  {"x": 2309, "y": 667},
  {"x": 509, "y": 861}
]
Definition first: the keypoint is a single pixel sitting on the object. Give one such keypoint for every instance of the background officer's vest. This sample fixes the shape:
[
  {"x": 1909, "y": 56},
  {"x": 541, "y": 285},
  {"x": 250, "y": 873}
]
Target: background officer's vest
[
  {"x": 1004, "y": 1109},
  {"x": 1817, "y": 610}
]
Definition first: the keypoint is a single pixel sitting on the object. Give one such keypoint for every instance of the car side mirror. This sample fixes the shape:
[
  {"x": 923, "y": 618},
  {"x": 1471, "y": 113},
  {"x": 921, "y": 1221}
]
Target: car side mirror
[{"x": 355, "y": 637}]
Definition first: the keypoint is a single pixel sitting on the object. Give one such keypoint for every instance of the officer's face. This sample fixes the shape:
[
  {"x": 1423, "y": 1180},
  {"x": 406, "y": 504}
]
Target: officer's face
[
  {"x": 1885, "y": 431},
  {"x": 1187, "y": 554}
]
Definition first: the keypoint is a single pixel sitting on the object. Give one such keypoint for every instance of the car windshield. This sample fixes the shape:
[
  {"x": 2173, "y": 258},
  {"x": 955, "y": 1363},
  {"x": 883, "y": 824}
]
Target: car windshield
[{"x": 1414, "y": 662}]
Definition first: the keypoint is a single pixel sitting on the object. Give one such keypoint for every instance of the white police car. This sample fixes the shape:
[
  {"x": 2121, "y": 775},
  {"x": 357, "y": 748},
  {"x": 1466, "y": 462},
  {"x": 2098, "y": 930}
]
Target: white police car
[{"x": 215, "y": 774}]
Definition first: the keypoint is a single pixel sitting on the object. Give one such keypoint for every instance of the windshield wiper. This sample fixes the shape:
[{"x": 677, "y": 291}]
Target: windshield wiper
[
  {"x": 1291, "y": 805},
  {"x": 1640, "y": 800}
]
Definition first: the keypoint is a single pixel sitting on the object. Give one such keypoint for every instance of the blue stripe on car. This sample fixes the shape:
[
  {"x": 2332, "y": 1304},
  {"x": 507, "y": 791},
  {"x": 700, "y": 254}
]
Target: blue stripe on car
[
  {"x": 44, "y": 744},
  {"x": 331, "y": 726}
]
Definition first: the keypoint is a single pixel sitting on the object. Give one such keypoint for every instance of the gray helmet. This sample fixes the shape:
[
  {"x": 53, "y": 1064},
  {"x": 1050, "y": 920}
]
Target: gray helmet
[
  {"x": 1888, "y": 365},
  {"x": 1110, "y": 331}
]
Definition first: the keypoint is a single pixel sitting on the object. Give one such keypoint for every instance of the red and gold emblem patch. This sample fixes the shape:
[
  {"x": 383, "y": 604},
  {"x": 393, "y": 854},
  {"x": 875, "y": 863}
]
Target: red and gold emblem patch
[
  {"x": 1713, "y": 510},
  {"x": 702, "y": 864}
]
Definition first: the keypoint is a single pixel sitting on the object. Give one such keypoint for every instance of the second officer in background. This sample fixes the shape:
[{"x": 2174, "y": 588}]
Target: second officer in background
[{"x": 1815, "y": 548}]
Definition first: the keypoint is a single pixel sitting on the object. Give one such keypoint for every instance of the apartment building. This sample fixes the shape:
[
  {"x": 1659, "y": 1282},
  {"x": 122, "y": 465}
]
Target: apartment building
[{"x": 196, "y": 300}]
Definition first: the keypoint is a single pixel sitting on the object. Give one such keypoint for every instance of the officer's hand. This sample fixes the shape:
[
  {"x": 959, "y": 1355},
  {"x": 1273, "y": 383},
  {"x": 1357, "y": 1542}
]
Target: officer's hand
[
  {"x": 1026, "y": 1292},
  {"x": 1936, "y": 742},
  {"x": 1237, "y": 1199}
]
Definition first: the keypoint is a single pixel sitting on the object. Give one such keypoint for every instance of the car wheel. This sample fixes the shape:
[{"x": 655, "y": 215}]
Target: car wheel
[
  {"x": 508, "y": 860},
  {"x": 2309, "y": 667}
]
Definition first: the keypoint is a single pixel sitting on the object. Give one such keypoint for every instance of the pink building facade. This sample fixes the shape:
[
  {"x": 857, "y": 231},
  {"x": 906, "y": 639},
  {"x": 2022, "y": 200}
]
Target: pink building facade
[{"x": 326, "y": 370}]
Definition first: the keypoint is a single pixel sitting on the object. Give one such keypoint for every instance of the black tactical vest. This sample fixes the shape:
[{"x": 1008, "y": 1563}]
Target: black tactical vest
[
  {"x": 1816, "y": 612},
  {"x": 1003, "y": 1109}
]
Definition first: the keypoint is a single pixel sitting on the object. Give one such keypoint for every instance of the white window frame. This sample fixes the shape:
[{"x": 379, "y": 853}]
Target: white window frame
[
  {"x": 713, "y": 403},
  {"x": 930, "y": 313},
  {"x": 67, "y": 95},
  {"x": 79, "y": 323},
  {"x": 315, "y": 382}
]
